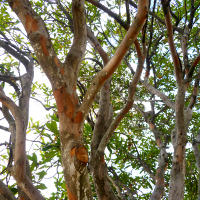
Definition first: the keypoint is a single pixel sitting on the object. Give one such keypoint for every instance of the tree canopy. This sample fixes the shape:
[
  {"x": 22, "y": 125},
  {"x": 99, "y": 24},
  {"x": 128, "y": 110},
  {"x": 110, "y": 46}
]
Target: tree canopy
[{"x": 100, "y": 99}]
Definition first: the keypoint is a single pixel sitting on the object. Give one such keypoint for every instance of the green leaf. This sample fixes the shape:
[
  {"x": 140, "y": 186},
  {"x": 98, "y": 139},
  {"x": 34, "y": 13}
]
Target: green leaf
[
  {"x": 52, "y": 126},
  {"x": 41, "y": 186},
  {"x": 41, "y": 174}
]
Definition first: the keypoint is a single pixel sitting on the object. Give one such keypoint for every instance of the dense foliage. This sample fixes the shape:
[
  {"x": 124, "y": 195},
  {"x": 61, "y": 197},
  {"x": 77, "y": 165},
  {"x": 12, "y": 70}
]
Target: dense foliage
[{"x": 140, "y": 151}]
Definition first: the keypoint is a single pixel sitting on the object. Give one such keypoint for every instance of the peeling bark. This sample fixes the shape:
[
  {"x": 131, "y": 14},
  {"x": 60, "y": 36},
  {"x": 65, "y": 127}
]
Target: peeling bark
[
  {"x": 63, "y": 77},
  {"x": 74, "y": 160}
]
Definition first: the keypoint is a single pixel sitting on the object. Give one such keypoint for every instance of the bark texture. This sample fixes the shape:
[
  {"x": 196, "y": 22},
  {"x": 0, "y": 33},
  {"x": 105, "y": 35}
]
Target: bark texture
[
  {"x": 179, "y": 135},
  {"x": 63, "y": 78},
  {"x": 196, "y": 151},
  {"x": 5, "y": 193}
]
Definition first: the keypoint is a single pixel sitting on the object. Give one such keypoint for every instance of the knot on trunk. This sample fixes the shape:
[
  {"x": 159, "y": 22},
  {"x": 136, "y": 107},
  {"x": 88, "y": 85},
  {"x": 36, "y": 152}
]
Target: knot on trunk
[{"x": 80, "y": 155}]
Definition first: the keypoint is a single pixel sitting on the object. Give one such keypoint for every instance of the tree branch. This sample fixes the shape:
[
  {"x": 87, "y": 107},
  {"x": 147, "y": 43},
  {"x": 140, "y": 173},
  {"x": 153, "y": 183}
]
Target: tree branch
[
  {"x": 104, "y": 118},
  {"x": 19, "y": 171},
  {"x": 195, "y": 91},
  {"x": 11, "y": 81},
  {"x": 14, "y": 51},
  {"x": 155, "y": 91},
  {"x": 38, "y": 36},
  {"x": 109, "y": 12},
  {"x": 175, "y": 57},
  {"x": 127, "y": 12},
  {"x": 5, "y": 192},
  {"x": 114, "y": 62},
  {"x": 195, "y": 146},
  {"x": 127, "y": 107},
  {"x": 163, "y": 156},
  {"x": 26, "y": 83},
  {"x": 158, "y": 18},
  {"x": 4, "y": 128},
  {"x": 77, "y": 50},
  {"x": 192, "y": 68}
]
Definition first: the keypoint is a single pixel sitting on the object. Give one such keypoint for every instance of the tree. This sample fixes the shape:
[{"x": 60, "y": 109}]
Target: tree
[{"x": 126, "y": 132}]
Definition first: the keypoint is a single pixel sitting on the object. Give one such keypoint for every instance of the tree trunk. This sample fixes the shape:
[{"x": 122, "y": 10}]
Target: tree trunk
[
  {"x": 195, "y": 145},
  {"x": 63, "y": 78},
  {"x": 74, "y": 154},
  {"x": 97, "y": 163},
  {"x": 177, "y": 176}
]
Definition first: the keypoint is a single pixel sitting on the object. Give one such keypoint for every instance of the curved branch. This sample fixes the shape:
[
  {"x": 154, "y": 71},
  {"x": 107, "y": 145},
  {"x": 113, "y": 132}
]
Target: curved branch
[
  {"x": 4, "y": 128},
  {"x": 19, "y": 171},
  {"x": 158, "y": 18},
  {"x": 127, "y": 107},
  {"x": 5, "y": 192},
  {"x": 114, "y": 62},
  {"x": 20, "y": 135},
  {"x": 10, "y": 80},
  {"x": 45, "y": 107},
  {"x": 174, "y": 54},
  {"x": 192, "y": 68},
  {"x": 94, "y": 60},
  {"x": 79, "y": 43},
  {"x": 97, "y": 46},
  {"x": 195, "y": 92},
  {"x": 38, "y": 36},
  {"x": 14, "y": 52},
  {"x": 109, "y": 12},
  {"x": 158, "y": 93},
  {"x": 26, "y": 83}
]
